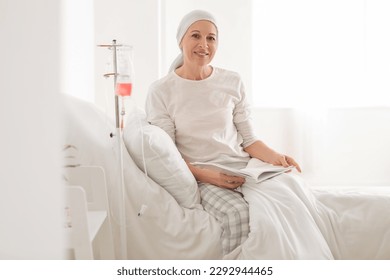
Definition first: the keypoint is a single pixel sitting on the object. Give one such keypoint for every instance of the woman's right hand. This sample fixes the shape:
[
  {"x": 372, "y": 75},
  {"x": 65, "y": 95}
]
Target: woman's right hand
[{"x": 216, "y": 178}]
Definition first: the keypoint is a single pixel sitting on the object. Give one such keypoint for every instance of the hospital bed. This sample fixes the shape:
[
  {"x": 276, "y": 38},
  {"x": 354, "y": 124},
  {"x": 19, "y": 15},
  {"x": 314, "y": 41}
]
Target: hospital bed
[{"x": 163, "y": 215}]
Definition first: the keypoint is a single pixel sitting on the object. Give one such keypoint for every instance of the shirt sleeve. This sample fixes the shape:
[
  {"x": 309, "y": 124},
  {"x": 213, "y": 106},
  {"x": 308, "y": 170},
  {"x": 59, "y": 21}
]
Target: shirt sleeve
[
  {"x": 242, "y": 119},
  {"x": 157, "y": 113}
]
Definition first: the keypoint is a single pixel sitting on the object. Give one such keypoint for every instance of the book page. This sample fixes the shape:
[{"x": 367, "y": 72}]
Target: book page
[{"x": 256, "y": 169}]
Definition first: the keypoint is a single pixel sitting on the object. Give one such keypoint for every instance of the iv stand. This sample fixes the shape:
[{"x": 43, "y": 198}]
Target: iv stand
[{"x": 122, "y": 214}]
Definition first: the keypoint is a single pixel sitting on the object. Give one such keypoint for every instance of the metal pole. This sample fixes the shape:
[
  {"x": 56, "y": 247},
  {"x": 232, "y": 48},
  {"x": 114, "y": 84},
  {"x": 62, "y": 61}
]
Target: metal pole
[
  {"x": 115, "y": 76},
  {"x": 120, "y": 146}
]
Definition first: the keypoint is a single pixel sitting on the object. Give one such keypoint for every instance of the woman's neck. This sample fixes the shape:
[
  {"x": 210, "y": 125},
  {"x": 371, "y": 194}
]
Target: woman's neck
[{"x": 194, "y": 73}]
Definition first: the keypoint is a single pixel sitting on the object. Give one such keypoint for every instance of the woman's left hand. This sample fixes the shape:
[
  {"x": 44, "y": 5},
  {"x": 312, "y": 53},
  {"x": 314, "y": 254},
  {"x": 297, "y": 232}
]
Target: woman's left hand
[
  {"x": 261, "y": 151},
  {"x": 285, "y": 161}
]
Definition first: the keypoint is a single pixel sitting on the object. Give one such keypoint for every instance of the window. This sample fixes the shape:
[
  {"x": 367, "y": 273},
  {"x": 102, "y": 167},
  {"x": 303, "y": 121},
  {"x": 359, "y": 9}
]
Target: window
[{"x": 332, "y": 53}]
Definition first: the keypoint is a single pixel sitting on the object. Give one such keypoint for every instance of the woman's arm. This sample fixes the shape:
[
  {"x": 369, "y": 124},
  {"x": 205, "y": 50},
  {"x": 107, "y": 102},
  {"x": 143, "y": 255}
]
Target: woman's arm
[{"x": 261, "y": 151}]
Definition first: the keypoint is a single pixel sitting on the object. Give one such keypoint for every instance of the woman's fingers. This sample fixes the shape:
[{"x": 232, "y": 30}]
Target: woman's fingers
[
  {"x": 284, "y": 161},
  {"x": 231, "y": 182},
  {"x": 292, "y": 162}
]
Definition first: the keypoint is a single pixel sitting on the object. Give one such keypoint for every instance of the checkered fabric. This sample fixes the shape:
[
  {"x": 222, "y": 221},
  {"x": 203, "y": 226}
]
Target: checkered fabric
[{"x": 230, "y": 209}]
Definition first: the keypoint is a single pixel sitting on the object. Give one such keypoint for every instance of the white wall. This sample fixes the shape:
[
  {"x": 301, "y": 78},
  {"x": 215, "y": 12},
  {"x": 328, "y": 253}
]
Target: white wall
[
  {"x": 77, "y": 49},
  {"x": 31, "y": 199}
]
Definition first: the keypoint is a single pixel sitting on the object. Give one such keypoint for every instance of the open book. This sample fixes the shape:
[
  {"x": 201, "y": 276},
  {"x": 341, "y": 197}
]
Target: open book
[{"x": 256, "y": 170}]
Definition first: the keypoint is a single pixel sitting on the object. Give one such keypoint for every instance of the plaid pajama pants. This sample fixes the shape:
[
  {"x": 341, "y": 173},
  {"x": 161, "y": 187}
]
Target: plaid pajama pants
[{"x": 230, "y": 209}]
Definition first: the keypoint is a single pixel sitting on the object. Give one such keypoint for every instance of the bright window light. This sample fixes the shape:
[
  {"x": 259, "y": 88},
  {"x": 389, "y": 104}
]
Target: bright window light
[{"x": 333, "y": 53}]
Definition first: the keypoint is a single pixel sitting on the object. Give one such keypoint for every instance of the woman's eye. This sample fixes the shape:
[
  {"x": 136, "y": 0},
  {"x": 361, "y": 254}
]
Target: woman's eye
[
  {"x": 195, "y": 36},
  {"x": 211, "y": 38}
]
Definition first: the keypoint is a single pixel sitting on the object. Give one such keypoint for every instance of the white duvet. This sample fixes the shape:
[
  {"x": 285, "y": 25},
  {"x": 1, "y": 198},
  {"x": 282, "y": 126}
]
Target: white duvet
[
  {"x": 288, "y": 220},
  {"x": 291, "y": 221}
]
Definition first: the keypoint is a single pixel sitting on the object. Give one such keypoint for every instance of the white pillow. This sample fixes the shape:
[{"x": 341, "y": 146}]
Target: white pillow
[{"x": 163, "y": 161}]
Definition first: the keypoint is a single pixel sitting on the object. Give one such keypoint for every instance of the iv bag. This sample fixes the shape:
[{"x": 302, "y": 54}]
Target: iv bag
[{"x": 125, "y": 72}]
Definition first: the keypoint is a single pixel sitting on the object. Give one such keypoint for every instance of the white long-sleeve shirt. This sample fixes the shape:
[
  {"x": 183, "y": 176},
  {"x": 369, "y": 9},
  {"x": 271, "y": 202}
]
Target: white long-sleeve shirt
[{"x": 209, "y": 119}]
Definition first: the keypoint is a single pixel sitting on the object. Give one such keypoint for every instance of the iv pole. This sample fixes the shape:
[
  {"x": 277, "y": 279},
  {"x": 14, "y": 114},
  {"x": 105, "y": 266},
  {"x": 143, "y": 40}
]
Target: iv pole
[
  {"x": 122, "y": 209},
  {"x": 114, "y": 46}
]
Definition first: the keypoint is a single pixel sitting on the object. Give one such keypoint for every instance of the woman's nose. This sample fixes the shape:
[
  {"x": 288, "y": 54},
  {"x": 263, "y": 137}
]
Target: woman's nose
[{"x": 203, "y": 43}]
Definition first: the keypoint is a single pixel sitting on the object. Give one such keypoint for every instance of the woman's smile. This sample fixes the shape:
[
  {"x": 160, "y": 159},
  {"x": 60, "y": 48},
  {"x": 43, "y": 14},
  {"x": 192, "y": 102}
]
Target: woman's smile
[{"x": 201, "y": 53}]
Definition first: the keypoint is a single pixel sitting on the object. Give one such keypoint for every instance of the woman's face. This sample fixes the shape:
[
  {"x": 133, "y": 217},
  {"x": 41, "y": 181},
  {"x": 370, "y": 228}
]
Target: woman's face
[{"x": 199, "y": 43}]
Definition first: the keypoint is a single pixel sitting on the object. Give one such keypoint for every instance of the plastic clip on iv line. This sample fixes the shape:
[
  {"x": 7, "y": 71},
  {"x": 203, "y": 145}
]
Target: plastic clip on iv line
[{"x": 142, "y": 210}]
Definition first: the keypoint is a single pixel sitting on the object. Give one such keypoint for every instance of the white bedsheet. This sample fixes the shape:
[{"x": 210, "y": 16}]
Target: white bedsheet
[
  {"x": 349, "y": 224},
  {"x": 359, "y": 219}
]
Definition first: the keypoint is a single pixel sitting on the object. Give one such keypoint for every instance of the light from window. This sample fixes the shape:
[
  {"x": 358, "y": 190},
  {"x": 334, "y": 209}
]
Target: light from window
[{"x": 321, "y": 53}]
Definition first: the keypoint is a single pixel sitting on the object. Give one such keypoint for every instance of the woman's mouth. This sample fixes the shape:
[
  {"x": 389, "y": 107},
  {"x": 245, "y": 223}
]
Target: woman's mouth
[{"x": 202, "y": 53}]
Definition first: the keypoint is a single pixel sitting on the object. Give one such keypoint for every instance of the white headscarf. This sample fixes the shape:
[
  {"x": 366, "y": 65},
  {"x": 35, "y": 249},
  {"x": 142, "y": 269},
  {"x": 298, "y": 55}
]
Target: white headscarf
[{"x": 185, "y": 23}]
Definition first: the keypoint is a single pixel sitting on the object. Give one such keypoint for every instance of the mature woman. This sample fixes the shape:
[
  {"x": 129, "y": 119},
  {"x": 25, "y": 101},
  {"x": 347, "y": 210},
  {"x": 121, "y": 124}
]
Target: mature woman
[{"x": 204, "y": 110}]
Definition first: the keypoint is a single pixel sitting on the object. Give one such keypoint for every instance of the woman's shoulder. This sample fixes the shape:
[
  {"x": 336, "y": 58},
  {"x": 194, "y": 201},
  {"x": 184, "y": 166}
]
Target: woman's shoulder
[{"x": 226, "y": 72}]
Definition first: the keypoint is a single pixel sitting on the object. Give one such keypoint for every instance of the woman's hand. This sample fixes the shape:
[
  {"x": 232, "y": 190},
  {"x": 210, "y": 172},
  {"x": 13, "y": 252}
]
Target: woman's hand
[
  {"x": 283, "y": 160},
  {"x": 216, "y": 178},
  {"x": 261, "y": 151}
]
